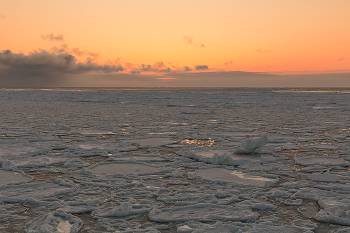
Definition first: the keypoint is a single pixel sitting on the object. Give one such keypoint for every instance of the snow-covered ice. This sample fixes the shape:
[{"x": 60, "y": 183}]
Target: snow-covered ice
[{"x": 174, "y": 160}]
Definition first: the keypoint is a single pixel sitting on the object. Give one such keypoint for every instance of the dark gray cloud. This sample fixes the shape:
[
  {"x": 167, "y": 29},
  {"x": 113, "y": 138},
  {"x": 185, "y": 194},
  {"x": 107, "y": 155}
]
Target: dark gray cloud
[
  {"x": 201, "y": 67},
  {"x": 52, "y": 37},
  {"x": 38, "y": 66},
  {"x": 187, "y": 69}
]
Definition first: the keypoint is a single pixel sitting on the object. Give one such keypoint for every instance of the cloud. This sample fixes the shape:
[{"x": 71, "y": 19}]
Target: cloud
[
  {"x": 60, "y": 49},
  {"x": 52, "y": 37},
  {"x": 341, "y": 59},
  {"x": 228, "y": 63},
  {"x": 190, "y": 41},
  {"x": 263, "y": 51},
  {"x": 187, "y": 69},
  {"x": 78, "y": 52},
  {"x": 2, "y": 16},
  {"x": 201, "y": 67},
  {"x": 158, "y": 67},
  {"x": 18, "y": 68}
]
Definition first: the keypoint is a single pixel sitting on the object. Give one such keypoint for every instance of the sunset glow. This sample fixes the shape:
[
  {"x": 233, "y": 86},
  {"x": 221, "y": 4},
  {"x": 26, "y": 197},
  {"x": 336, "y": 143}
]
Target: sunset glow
[{"x": 168, "y": 38}]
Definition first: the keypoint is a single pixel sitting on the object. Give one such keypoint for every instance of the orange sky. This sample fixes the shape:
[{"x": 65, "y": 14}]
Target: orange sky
[{"x": 277, "y": 36}]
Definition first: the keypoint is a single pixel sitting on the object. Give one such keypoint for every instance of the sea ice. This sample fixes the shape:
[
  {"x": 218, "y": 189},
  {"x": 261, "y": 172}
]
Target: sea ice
[
  {"x": 151, "y": 142},
  {"x": 250, "y": 146},
  {"x": 149, "y": 230},
  {"x": 54, "y": 222},
  {"x": 313, "y": 194},
  {"x": 334, "y": 211},
  {"x": 79, "y": 207},
  {"x": 32, "y": 191},
  {"x": 104, "y": 169},
  {"x": 219, "y": 156},
  {"x": 325, "y": 177},
  {"x": 141, "y": 133},
  {"x": 125, "y": 209},
  {"x": 36, "y": 161},
  {"x": 321, "y": 160},
  {"x": 12, "y": 177},
  {"x": 220, "y": 174},
  {"x": 202, "y": 213}
]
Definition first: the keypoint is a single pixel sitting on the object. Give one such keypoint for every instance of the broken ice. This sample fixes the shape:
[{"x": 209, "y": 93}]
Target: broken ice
[{"x": 165, "y": 160}]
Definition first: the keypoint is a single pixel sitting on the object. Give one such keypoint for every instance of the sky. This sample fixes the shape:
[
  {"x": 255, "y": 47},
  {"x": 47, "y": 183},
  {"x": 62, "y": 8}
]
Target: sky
[{"x": 175, "y": 43}]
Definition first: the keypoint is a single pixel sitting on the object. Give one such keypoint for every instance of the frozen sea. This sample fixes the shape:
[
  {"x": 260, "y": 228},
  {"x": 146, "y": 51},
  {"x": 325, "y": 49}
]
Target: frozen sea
[{"x": 174, "y": 160}]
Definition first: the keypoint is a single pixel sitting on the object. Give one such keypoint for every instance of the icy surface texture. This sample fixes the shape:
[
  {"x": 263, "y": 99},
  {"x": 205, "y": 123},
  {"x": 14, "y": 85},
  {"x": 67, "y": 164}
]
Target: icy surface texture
[
  {"x": 54, "y": 222},
  {"x": 250, "y": 146},
  {"x": 174, "y": 160}
]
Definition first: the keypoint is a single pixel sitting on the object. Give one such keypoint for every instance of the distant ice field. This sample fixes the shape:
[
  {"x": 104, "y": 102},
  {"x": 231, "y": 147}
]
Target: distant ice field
[{"x": 94, "y": 160}]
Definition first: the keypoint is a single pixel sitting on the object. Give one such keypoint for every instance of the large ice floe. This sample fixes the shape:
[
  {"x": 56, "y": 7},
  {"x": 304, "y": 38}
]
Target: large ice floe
[{"x": 166, "y": 161}]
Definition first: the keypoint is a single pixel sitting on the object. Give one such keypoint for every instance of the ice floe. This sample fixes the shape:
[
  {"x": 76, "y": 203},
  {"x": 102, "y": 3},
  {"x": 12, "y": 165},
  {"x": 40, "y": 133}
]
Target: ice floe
[
  {"x": 12, "y": 177},
  {"x": 54, "y": 222},
  {"x": 202, "y": 213},
  {"x": 104, "y": 169},
  {"x": 325, "y": 177},
  {"x": 32, "y": 191},
  {"x": 321, "y": 160},
  {"x": 238, "y": 177}
]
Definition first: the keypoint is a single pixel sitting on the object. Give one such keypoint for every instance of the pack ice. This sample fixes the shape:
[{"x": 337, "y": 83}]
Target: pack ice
[{"x": 174, "y": 160}]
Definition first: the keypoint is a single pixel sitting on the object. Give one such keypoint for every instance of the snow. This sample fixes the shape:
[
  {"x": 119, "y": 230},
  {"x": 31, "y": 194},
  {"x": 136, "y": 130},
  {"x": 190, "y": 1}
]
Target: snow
[{"x": 166, "y": 160}]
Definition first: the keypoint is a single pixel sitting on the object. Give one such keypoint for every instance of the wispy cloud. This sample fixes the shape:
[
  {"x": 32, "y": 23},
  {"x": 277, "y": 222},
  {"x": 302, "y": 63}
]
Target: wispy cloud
[
  {"x": 78, "y": 52},
  {"x": 228, "y": 63},
  {"x": 263, "y": 50},
  {"x": 2, "y": 16},
  {"x": 190, "y": 41},
  {"x": 341, "y": 59},
  {"x": 51, "y": 37},
  {"x": 201, "y": 67}
]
